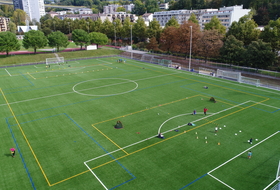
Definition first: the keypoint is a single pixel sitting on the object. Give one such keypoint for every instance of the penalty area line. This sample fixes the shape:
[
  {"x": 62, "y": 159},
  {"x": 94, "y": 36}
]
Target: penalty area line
[
  {"x": 95, "y": 176},
  {"x": 221, "y": 181}
]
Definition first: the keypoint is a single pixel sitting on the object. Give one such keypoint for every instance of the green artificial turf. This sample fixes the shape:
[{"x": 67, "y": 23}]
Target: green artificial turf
[{"x": 61, "y": 122}]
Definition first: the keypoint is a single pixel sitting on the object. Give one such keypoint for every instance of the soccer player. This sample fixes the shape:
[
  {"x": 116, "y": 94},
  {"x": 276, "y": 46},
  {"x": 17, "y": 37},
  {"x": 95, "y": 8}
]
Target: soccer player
[
  {"x": 205, "y": 110},
  {"x": 249, "y": 154},
  {"x": 251, "y": 140},
  {"x": 13, "y": 152},
  {"x": 216, "y": 129},
  {"x": 194, "y": 112}
]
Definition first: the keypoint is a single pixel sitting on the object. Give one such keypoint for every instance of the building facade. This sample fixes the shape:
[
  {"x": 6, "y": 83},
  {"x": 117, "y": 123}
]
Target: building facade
[
  {"x": 35, "y": 9},
  {"x": 226, "y": 15},
  {"x": 4, "y": 24}
]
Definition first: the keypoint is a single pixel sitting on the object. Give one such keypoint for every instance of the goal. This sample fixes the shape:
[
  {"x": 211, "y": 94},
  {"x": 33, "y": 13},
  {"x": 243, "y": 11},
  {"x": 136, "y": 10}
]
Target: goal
[
  {"x": 275, "y": 184},
  {"x": 252, "y": 81},
  {"x": 56, "y": 60},
  {"x": 147, "y": 57},
  {"x": 229, "y": 75}
]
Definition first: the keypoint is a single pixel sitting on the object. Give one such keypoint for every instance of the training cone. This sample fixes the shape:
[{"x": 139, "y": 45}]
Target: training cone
[
  {"x": 206, "y": 142},
  {"x": 219, "y": 143},
  {"x": 196, "y": 137}
]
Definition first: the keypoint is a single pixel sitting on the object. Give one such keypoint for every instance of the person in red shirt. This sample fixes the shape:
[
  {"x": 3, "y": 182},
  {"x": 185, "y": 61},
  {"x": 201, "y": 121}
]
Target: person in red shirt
[{"x": 205, "y": 110}]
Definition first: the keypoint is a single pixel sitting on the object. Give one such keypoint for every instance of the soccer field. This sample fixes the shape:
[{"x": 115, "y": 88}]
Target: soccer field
[{"x": 61, "y": 121}]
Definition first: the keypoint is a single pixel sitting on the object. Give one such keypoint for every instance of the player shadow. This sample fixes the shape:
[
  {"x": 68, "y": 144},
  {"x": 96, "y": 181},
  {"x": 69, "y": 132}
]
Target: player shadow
[
  {"x": 243, "y": 157},
  {"x": 8, "y": 155}
]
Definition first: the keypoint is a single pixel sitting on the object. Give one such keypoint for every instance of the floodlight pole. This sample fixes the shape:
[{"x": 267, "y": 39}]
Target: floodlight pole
[
  {"x": 115, "y": 32},
  {"x": 190, "y": 58},
  {"x": 69, "y": 30},
  {"x": 131, "y": 40}
]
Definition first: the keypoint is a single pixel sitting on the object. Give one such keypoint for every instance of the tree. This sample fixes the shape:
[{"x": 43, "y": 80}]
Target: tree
[
  {"x": 185, "y": 32},
  {"x": 8, "y": 42},
  {"x": 215, "y": 24},
  {"x": 154, "y": 29},
  {"x": 19, "y": 17},
  {"x": 153, "y": 44},
  {"x": 98, "y": 38},
  {"x": 209, "y": 44},
  {"x": 172, "y": 22},
  {"x": 34, "y": 39},
  {"x": 139, "y": 29},
  {"x": 193, "y": 18},
  {"x": 58, "y": 39},
  {"x": 139, "y": 8},
  {"x": 167, "y": 37},
  {"x": 244, "y": 30},
  {"x": 262, "y": 17},
  {"x": 80, "y": 37},
  {"x": 260, "y": 55},
  {"x": 121, "y": 9},
  {"x": 12, "y": 27},
  {"x": 271, "y": 34},
  {"x": 107, "y": 28},
  {"x": 232, "y": 50},
  {"x": 152, "y": 6}
]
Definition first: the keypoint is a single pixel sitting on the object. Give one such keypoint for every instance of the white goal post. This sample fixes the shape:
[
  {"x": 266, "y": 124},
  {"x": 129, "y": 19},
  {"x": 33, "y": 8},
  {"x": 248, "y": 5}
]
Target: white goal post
[
  {"x": 252, "y": 81},
  {"x": 229, "y": 75},
  {"x": 56, "y": 60}
]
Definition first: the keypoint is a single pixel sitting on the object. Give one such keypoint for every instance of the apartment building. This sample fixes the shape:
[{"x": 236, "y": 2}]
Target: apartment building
[
  {"x": 35, "y": 9},
  {"x": 4, "y": 24},
  {"x": 226, "y": 15}
]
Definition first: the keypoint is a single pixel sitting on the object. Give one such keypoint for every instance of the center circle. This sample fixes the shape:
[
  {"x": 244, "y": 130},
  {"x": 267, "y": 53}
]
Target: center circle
[{"x": 102, "y": 87}]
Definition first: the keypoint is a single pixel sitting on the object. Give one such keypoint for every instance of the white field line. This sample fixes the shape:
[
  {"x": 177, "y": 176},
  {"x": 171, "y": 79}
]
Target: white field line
[
  {"x": 221, "y": 181},
  {"x": 243, "y": 152},
  {"x": 156, "y": 135},
  {"x": 8, "y": 72},
  {"x": 266, "y": 105},
  {"x": 104, "y": 61},
  {"x": 35, "y": 67},
  {"x": 200, "y": 118},
  {"x": 96, "y": 176},
  {"x": 73, "y": 92}
]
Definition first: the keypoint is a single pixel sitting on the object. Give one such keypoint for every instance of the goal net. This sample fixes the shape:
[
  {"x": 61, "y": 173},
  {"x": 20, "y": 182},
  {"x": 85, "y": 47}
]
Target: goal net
[
  {"x": 229, "y": 75},
  {"x": 165, "y": 62},
  {"x": 147, "y": 57},
  {"x": 275, "y": 184},
  {"x": 252, "y": 81},
  {"x": 56, "y": 60},
  {"x": 206, "y": 71}
]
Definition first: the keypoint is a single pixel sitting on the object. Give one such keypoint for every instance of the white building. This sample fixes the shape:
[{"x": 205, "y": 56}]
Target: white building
[
  {"x": 227, "y": 15},
  {"x": 129, "y": 8},
  {"x": 164, "y": 6},
  {"x": 35, "y": 9},
  {"x": 110, "y": 9},
  {"x": 148, "y": 17},
  {"x": 83, "y": 11}
]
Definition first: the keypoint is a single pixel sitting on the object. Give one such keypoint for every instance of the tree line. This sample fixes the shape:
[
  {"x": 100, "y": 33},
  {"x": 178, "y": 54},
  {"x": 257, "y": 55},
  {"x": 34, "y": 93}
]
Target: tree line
[{"x": 242, "y": 44}]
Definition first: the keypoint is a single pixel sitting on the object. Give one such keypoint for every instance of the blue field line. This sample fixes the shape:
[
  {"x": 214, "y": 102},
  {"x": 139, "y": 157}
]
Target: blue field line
[
  {"x": 22, "y": 159},
  {"x": 26, "y": 79},
  {"x": 37, "y": 119},
  {"x": 194, "y": 181},
  {"x": 133, "y": 177},
  {"x": 123, "y": 183},
  {"x": 276, "y": 111}
]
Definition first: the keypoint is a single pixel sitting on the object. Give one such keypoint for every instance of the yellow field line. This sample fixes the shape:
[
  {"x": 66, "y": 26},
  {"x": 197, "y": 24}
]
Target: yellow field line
[
  {"x": 22, "y": 132},
  {"x": 110, "y": 140},
  {"x": 31, "y": 76},
  {"x": 145, "y": 110}
]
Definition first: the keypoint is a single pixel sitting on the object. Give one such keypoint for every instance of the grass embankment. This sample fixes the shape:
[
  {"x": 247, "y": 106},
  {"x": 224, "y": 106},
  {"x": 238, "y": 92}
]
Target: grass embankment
[{"x": 37, "y": 58}]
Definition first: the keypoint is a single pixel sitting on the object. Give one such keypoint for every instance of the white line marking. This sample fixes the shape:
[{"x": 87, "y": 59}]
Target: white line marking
[
  {"x": 200, "y": 118},
  {"x": 96, "y": 176},
  {"x": 72, "y": 92},
  {"x": 8, "y": 72},
  {"x": 266, "y": 105},
  {"x": 243, "y": 152},
  {"x": 221, "y": 182}
]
